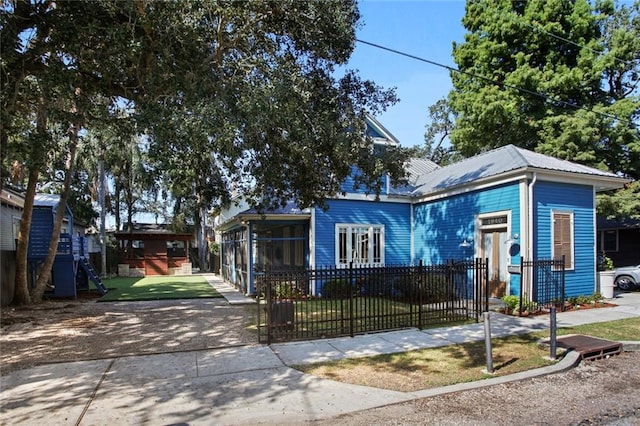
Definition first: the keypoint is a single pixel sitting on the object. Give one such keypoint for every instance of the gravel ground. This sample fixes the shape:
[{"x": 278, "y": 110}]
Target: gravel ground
[
  {"x": 83, "y": 329},
  {"x": 600, "y": 392}
]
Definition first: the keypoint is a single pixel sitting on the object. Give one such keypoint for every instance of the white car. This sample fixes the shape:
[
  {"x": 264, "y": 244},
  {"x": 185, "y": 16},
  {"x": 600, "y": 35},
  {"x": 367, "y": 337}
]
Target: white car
[{"x": 627, "y": 277}]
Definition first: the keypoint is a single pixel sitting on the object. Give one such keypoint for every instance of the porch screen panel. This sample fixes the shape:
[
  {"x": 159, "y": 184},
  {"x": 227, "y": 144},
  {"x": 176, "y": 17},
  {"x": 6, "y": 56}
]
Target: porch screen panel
[{"x": 299, "y": 246}]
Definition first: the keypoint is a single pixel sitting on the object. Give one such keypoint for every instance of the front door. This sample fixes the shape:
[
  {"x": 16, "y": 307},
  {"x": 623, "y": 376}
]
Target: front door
[{"x": 494, "y": 249}]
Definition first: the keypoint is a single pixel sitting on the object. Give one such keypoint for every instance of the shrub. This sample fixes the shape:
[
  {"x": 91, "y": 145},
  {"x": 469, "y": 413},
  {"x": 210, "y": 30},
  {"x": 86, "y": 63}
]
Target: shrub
[
  {"x": 377, "y": 285},
  {"x": 339, "y": 288},
  {"x": 511, "y": 302},
  {"x": 436, "y": 288}
]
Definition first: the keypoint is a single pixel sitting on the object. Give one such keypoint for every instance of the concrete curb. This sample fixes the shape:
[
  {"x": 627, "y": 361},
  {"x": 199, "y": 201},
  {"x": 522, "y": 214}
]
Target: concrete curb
[{"x": 570, "y": 360}]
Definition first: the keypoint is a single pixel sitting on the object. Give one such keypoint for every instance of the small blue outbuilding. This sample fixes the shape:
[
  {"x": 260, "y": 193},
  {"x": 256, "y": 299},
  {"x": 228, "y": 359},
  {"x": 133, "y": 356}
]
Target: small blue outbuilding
[{"x": 72, "y": 269}]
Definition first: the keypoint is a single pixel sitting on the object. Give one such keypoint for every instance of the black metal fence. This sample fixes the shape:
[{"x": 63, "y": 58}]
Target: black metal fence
[
  {"x": 542, "y": 284},
  {"x": 332, "y": 302}
]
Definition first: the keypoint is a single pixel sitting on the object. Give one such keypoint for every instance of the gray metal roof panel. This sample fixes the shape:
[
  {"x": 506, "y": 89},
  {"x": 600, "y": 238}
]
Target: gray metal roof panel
[
  {"x": 416, "y": 167},
  {"x": 495, "y": 162}
]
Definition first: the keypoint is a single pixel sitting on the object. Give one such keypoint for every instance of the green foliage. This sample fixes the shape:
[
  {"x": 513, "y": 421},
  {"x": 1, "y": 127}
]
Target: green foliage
[
  {"x": 624, "y": 203},
  {"x": 434, "y": 289},
  {"x": 577, "y": 301},
  {"x": 442, "y": 122},
  {"x": 511, "y": 302},
  {"x": 282, "y": 290},
  {"x": 604, "y": 262},
  {"x": 230, "y": 96},
  {"x": 337, "y": 289},
  {"x": 576, "y": 65},
  {"x": 214, "y": 248}
]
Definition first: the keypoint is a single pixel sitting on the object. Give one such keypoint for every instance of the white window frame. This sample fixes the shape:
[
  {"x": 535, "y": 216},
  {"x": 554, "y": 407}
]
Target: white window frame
[
  {"x": 347, "y": 229},
  {"x": 572, "y": 239}
]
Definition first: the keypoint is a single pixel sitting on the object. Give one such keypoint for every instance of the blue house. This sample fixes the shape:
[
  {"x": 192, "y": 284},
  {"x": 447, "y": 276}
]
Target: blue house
[{"x": 504, "y": 205}]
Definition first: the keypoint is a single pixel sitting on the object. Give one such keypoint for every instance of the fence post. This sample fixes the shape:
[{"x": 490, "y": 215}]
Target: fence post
[
  {"x": 420, "y": 291},
  {"x": 269, "y": 305},
  {"x": 487, "y": 341},
  {"x": 351, "y": 325},
  {"x": 553, "y": 334}
]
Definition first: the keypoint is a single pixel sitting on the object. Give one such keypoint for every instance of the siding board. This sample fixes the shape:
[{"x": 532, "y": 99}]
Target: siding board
[
  {"x": 395, "y": 217},
  {"x": 578, "y": 199}
]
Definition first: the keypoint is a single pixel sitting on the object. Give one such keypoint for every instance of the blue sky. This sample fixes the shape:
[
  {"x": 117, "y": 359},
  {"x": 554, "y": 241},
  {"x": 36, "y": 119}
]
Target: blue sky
[{"x": 423, "y": 28}]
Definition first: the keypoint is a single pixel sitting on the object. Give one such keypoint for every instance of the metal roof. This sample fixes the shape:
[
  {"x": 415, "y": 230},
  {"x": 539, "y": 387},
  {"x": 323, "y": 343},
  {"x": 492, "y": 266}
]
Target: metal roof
[
  {"x": 416, "y": 167},
  {"x": 499, "y": 162}
]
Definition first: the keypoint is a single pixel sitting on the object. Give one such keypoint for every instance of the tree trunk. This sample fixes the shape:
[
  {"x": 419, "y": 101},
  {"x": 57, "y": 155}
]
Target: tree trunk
[
  {"x": 101, "y": 200},
  {"x": 45, "y": 273},
  {"x": 201, "y": 232},
  {"x": 117, "y": 193},
  {"x": 21, "y": 295}
]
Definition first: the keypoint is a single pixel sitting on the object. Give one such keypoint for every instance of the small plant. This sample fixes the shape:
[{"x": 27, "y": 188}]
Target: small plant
[
  {"x": 511, "y": 302},
  {"x": 604, "y": 262},
  {"x": 282, "y": 290}
]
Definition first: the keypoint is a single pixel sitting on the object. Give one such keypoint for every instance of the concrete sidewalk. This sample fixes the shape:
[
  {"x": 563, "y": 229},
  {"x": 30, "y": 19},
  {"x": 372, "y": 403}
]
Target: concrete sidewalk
[{"x": 249, "y": 384}]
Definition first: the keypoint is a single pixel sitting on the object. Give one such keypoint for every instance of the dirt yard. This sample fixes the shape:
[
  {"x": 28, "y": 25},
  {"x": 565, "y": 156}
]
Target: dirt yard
[
  {"x": 595, "y": 393},
  {"x": 73, "y": 330}
]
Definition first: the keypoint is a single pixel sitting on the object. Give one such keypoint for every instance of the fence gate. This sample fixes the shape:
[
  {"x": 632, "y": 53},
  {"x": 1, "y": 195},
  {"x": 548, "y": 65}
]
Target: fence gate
[{"x": 542, "y": 284}]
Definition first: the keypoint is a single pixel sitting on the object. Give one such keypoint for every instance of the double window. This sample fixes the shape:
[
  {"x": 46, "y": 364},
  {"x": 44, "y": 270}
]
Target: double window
[{"x": 360, "y": 244}]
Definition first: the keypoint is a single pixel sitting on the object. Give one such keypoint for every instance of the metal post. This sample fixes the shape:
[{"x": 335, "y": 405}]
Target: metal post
[
  {"x": 553, "y": 333},
  {"x": 487, "y": 341},
  {"x": 350, "y": 287}
]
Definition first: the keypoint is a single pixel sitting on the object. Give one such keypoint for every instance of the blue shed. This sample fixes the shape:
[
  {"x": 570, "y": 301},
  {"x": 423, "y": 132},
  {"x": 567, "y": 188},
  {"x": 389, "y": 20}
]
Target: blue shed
[{"x": 71, "y": 268}]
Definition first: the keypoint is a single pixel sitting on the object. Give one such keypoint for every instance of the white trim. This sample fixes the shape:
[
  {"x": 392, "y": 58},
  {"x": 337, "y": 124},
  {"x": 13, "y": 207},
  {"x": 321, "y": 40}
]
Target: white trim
[
  {"x": 467, "y": 188},
  {"x": 596, "y": 282},
  {"x": 524, "y": 219},
  {"x": 349, "y": 242},
  {"x": 412, "y": 232},
  {"x": 312, "y": 239},
  {"x": 372, "y": 197},
  {"x": 599, "y": 183}
]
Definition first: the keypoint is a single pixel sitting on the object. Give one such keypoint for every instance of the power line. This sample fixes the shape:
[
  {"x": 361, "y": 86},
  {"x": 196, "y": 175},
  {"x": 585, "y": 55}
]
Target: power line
[
  {"x": 514, "y": 18},
  {"x": 497, "y": 83}
]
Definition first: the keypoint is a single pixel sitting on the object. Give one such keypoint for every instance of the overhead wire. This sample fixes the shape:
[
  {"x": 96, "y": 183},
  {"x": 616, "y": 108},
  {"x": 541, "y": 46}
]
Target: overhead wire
[{"x": 495, "y": 82}]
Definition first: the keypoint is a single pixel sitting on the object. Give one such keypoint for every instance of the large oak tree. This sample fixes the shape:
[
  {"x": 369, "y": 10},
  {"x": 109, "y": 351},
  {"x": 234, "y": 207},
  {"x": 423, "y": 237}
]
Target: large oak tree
[
  {"x": 228, "y": 92},
  {"x": 558, "y": 77}
]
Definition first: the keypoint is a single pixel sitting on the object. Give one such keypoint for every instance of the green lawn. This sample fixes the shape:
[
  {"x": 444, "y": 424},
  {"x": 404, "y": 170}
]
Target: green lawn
[
  {"x": 427, "y": 368},
  {"x": 157, "y": 287}
]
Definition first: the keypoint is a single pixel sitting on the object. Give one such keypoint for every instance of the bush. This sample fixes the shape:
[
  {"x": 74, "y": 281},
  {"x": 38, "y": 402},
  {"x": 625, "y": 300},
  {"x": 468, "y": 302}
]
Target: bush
[
  {"x": 435, "y": 289},
  {"x": 337, "y": 289},
  {"x": 511, "y": 302},
  {"x": 377, "y": 285}
]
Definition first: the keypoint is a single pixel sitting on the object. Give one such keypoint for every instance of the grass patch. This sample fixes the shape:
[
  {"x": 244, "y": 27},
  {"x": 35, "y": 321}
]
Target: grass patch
[
  {"x": 429, "y": 368},
  {"x": 625, "y": 329},
  {"x": 157, "y": 288}
]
